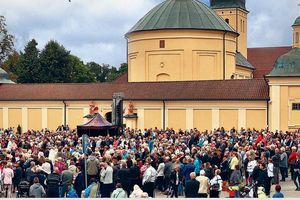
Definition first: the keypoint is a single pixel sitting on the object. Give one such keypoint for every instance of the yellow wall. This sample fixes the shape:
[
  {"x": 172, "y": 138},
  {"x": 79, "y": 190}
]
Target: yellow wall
[
  {"x": 203, "y": 119},
  {"x": 152, "y": 118},
  {"x": 14, "y": 117},
  {"x": 237, "y": 20},
  {"x": 1, "y": 118},
  {"x": 284, "y": 107},
  {"x": 284, "y": 91},
  {"x": 55, "y": 118},
  {"x": 188, "y": 55},
  {"x": 75, "y": 117},
  {"x": 203, "y": 115},
  {"x": 176, "y": 119},
  {"x": 256, "y": 119},
  {"x": 35, "y": 118},
  {"x": 229, "y": 119},
  {"x": 295, "y": 32},
  {"x": 243, "y": 73}
]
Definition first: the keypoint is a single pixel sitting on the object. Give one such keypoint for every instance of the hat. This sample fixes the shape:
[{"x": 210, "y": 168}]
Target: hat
[{"x": 202, "y": 172}]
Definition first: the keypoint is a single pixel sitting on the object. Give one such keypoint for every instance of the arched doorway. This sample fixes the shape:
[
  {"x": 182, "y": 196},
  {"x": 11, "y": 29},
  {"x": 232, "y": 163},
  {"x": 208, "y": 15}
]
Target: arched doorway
[{"x": 108, "y": 117}]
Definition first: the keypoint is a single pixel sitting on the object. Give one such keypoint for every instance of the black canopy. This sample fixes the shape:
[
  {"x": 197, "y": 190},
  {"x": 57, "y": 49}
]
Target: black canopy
[{"x": 98, "y": 125}]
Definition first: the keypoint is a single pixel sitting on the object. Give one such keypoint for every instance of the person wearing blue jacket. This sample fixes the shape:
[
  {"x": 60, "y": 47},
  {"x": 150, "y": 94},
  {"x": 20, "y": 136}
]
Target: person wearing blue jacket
[{"x": 197, "y": 164}]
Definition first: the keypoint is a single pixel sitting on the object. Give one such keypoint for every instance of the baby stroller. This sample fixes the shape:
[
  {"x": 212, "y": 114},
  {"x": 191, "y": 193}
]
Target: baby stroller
[{"x": 23, "y": 189}]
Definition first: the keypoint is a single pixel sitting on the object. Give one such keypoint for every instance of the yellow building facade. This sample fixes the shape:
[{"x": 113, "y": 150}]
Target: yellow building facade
[
  {"x": 187, "y": 68},
  {"x": 206, "y": 115}
]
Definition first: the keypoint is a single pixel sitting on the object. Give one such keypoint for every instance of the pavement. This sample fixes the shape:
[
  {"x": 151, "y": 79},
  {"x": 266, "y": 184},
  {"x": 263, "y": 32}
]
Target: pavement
[{"x": 287, "y": 188}]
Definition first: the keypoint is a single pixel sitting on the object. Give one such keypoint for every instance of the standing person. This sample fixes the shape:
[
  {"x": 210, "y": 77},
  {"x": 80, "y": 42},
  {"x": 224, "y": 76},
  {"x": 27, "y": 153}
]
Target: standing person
[
  {"x": 188, "y": 169},
  {"x": 216, "y": 185},
  {"x": 36, "y": 190},
  {"x": 8, "y": 175},
  {"x": 106, "y": 176},
  {"x": 160, "y": 175},
  {"x": 234, "y": 161},
  {"x": 262, "y": 176},
  {"x": 236, "y": 179},
  {"x": 175, "y": 180},
  {"x": 204, "y": 185},
  {"x": 79, "y": 183},
  {"x": 124, "y": 177},
  {"x": 167, "y": 172},
  {"x": 66, "y": 181},
  {"x": 297, "y": 173},
  {"x": 149, "y": 179},
  {"x": 134, "y": 175},
  {"x": 250, "y": 168},
  {"x": 53, "y": 183},
  {"x": 276, "y": 161},
  {"x": 192, "y": 187},
  {"x": 17, "y": 176},
  {"x": 92, "y": 167},
  {"x": 225, "y": 170},
  {"x": 270, "y": 170},
  {"x": 197, "y": 164},
  {"x": 292, "y": 161},
  {"x": 283, "y": 164}
]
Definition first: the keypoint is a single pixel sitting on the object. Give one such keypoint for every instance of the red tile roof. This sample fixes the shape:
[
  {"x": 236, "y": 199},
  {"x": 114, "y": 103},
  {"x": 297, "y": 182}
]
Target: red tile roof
[
  {"x": 255, "y": 89},
  {"x": 264, "y": 58},
  {"x": 122, "y": 78}
]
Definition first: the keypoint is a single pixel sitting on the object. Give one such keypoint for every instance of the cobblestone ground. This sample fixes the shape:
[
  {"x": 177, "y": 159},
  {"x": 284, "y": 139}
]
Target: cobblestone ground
[{"x": 288, "y": 189}]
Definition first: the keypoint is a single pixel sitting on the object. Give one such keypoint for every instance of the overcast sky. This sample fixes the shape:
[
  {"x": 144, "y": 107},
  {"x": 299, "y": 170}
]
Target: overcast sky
[{"x": 94, "y": 29}]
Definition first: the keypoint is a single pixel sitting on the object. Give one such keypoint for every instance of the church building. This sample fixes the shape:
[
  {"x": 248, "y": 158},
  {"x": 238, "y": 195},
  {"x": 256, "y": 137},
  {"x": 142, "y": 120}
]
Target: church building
[{"x": 188, "y": 67}]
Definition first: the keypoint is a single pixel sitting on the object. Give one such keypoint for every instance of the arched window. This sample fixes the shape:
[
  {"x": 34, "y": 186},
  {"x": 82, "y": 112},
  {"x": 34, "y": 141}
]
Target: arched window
[
  {"x": 163, "y": 77},
  {"x": 297, "y": 37},
  {"x": 227, "y": 20},
  {"x": 241, "y": 25}
]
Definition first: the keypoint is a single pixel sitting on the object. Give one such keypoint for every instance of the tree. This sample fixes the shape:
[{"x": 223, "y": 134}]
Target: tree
[
  {"x": 99, "y": 72},
  {"x": 6, "y": 41},
  {"x": 123, "y": 68},
  {"x": 80, "y": 72},
  {"x": 28, "y": 65},
  {"x": 55, "y": 64},
  {"x": 10, "y": 65}
]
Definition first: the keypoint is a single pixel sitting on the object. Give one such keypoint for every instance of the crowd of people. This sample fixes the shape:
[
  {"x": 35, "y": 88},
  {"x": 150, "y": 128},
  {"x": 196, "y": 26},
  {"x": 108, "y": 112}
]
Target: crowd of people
[{"x": 142, "y": 163}]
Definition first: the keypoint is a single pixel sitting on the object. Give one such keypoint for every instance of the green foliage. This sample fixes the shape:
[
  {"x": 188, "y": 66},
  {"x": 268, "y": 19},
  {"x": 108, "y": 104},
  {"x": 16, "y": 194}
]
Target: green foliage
[
  {"x": 80, "y": 72},
  {"x": 6, "y": 41},
  {"x": 55, "y": 64},
  {"x": 27, "y": 68},
  {"x": 10, "y": 66},
  {"x": 100, "y": 73}
]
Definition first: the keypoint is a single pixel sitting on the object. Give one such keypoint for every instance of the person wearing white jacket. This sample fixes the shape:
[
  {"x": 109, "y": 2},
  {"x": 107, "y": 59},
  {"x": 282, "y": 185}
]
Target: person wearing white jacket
[
  {"x": 160, "y": 175},
  {"x": 250, "y": 167},
  {"x": 149, "y": 179},
  {"x": 106, "y": 177}
]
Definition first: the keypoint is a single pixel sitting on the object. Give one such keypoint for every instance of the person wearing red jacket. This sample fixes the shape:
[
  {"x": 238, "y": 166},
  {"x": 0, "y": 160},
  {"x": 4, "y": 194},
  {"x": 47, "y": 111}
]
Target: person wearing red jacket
[{"x": 291, "y": 161}]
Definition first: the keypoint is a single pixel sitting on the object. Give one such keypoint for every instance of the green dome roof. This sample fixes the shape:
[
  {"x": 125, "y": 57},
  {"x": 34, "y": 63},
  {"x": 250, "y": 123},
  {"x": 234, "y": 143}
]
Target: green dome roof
[
  {"x": 228, "y": 4},
  {"x": 181, "y": 14},
  {"x": 4, "y": 77},
  {"x": 288, "y": 64},
  {"x": 297, "y": 22}
]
